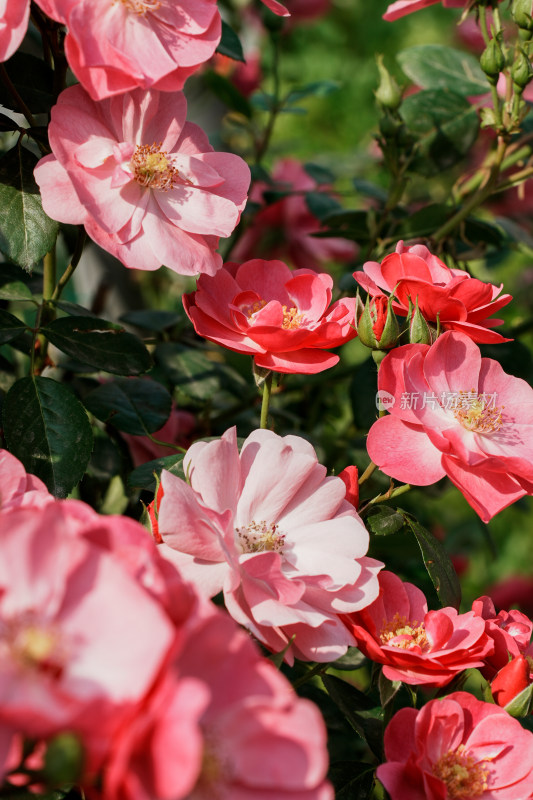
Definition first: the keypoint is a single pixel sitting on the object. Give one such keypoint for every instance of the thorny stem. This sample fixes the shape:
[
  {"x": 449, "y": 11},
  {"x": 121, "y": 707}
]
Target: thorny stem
[
  {"x": 166, "y": 444},
  {"x": 367, "y": 473},
  {"x": 45, "y": 313},
  {"x": 388, "y": 495}
]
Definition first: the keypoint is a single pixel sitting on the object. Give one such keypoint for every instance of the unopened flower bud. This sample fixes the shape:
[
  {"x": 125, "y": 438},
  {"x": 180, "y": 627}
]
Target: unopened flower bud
[
  {"x": 521, "y": 13},
  {"x": 388, "y": 93},
  {"x": 492, "y": 61},
  {"x": 521, "y": 71},
  {"x": 419, "y": 330},
  {"x": 350, "y": 478},
  {"x": 511, "y": 680},
  {"x": 63, "y": 759},
  {"x": 377, "y": 326}
]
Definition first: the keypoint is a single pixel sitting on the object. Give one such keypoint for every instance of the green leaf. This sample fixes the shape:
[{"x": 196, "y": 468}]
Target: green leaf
[
  {"x": 315, "y": 89},
  {"x": 352, "y": 659},
  {"x": 319, "y": 174},
  {"x": 101, "y": 344},
  {"x": 230, "y": 44},
  {"x": 321, "y": 205},
  {"x": 144, "y": 476},
  {"x": 346, "y": 223},
  {"x": 47, "y": 428},
  {"x": 26, "y": 232},
  {"x": 227, "y": 93},
  {"x": 132, "y": 405},
  {"x": 435, "y": 66},
  {"x": 438, "y": 564},
  {"x": 157, "y": 321},
  {"x": 423, "y": 222},
  {"x": 262, "y": 101},
  {"x": 383, "y": 520},
  {"x": 446, "y": 126},
  {"x": 10, "y": 326},
  {"x": 16, "y": 290},
  {"x": 387, "y": 689},
  {"x": 34, "y": 81},
  {"x": 352, "y": 780},
  {"x": 195, "y": 374}
]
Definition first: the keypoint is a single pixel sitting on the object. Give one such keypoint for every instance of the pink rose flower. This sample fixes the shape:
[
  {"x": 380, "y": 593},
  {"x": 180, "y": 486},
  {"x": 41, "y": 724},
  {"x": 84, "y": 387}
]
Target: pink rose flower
[
  {"x": 457, "y": 747},
  {"x": 457, "y": 414},
  {"x": 148, "y": 44},
  {"x": 222, "y": 722},
  {"x": 415, "y": 645},
  {"x": 82, "y": 638},
  {"x": 284, "y": 229},
  {"x": 14, "y": 16},
  {"x": 18, "y": 487},
  {"x": 281, "y": 318},
  {"x": 269, "y": 529},
  {"x": 513, "y": 678},
  {"x": 276, "y": 7},
  {"x": 460, "y": 302},
  {"x": 176, "y": 430},
  {"x": 510, "y": 631},
  {"x": 402, "y": 7},
  {"x": 145, "y": 183}
]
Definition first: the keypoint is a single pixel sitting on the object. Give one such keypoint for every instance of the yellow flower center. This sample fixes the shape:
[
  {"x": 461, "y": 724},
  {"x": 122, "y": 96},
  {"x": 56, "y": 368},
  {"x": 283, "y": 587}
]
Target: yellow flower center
[
  {"x": 291, "y": 317},
  {"x": 260, "y": 537},
  {"x": 152, "y": 167},
  {"x": 463, "y": 775},
  {"x": 33, "y": 645},
  {"x": 478, "y": 412},
  {"x": 399, "y": 632},
  {"x": 139, "y": 7}
]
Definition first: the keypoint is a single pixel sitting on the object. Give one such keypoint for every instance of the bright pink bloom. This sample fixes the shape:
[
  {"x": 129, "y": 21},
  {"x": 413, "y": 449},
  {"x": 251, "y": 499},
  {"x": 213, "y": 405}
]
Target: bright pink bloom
[
  {"x": 276, "y": 7},
  {"x": 285, "y": 229},
  {"x": 148, "y": 44},
  {"x": 510, "y": 631},
  {"x": 18, "y": 487},
  {"x": 512, "y": 679},
  {"x": 402, "y": 7},
  {"x": 176, "y": 430},
  {"x": 275, "y": 534},
  {"x": 457, "y": 414},
  {"x": 281, "y": 318},
  {"x": 457, "y": 747},
  {"x": 415, "y": 645},
  {"x": 145, "y": 183},
  {"x": 221, "y": 722},
  {"x": 350, "y": 478},
  {"x": 67, "y": 662},
  {"x": 460, "y": 302},
  {"x": 14, "y": 16}
]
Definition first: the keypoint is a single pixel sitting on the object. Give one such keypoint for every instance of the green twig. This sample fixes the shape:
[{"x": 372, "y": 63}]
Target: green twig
[
  {"x": 267, "y": 391},
  {"x": 66, "y": 276}
]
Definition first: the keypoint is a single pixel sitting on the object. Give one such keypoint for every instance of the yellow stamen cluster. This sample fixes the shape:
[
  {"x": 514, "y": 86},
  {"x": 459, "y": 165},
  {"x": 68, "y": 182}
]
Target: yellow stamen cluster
[
  {"x": 152, "y": 167},
  {"x": 476, "y": 413},
  {"x": 463, "y": 775},
  {"x": 399, "y": 626},
  {"x": 139, "y": 7},
  {"x": 291, "y": 318},
  {"x": 34, "y": 646},
  {"x": 254, "y": 308},
  {"x": 260, "y": 537}
]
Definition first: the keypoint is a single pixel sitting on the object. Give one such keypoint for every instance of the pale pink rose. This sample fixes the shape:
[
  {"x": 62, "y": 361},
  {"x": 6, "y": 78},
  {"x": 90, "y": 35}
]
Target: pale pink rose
[
  {"x": 145, "y": 183},
  {"x": 458, "y": 301},
  {"x": 147, "y": 44},
  {"x": 457, "y": 414},
  {"x": 415, "y": 645},
  {"x": 14, "y": 16},
  {"x": 275, "y": 534},
  {"x": 18, "y": 487},
  {"x": 284, "y": 319},
  {"x": 402, "y": 7},
  {"x": 510, "y": 631},
  {"x": 176, "y": 430},
  {"x": 81, "y": 638},
  {"x": 457, "y": 747},
  {"x": 284, "y": 229},
  {"x": 261, "y": 741}
]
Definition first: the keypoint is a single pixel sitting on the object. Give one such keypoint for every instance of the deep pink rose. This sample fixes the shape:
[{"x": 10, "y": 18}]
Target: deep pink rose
[
  {"x": 18, "y": 487},
  {"x": 154, "y": 44},
  {"x": 415, "y": 645},
  {"x": 14, "y": 16},
  {"x": 510, "y": 631},
  {"x": 285, "y": 229},
  {"x": 276, "y": 7},
  {"x": 283, "y": 319},
  {"x": 275, "y": 534},
  {"x": 457, "y": 747},
  {"x": 176, "y": 430},
  {"x": 145, "y": 183},
  {"x": 513, "y": 678},
  {"x": 461, "y": 303},
  {"x": 457, "y": 414},
  {"x": 402, "y": 7}
]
